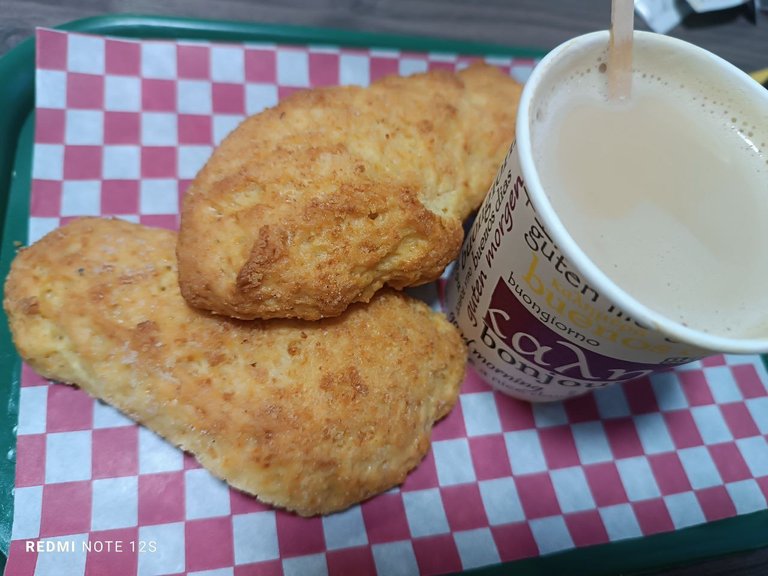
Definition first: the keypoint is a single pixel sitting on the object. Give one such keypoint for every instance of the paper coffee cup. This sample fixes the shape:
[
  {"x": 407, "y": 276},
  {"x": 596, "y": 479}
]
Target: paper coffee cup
[{"x": 541, "y": 320}]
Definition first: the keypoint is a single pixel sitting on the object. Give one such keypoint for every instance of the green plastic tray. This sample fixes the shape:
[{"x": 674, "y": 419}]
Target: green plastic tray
[{"x": 17, "y": 73}]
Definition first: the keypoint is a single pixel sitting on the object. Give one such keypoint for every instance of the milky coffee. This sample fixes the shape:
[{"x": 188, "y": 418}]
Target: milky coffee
[
  {"x": 619, "y": 239},
  {"x": 666, "y": 192}
]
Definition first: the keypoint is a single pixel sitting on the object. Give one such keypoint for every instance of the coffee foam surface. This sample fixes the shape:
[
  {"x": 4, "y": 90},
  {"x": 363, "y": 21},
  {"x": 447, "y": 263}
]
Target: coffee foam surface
[{"x": 667, "y": 193}]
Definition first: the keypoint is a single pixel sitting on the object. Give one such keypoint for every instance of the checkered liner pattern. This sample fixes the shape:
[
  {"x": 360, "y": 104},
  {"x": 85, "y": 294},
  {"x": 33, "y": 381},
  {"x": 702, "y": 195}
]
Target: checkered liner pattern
[{"x": 122, "y": 127}]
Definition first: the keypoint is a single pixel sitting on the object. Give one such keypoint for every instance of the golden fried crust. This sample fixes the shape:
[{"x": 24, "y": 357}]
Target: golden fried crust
[
  {"x": 310, "y": 416},
  {"x": 322, "y": 200}
]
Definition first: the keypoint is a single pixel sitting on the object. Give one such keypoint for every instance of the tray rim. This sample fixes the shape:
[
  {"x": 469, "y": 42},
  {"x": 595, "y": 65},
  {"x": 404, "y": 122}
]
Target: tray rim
[{"x": 631, "y": 556}]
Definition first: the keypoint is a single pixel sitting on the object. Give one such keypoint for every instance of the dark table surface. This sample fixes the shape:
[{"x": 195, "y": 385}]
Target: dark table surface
[{"x": 738, "y": 35}]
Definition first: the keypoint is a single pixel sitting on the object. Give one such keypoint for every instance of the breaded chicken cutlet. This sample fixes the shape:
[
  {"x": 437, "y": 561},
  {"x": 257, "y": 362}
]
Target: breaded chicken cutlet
[
  {"x": 317, "y": 203},
  {"x": 309, "y": 416}
]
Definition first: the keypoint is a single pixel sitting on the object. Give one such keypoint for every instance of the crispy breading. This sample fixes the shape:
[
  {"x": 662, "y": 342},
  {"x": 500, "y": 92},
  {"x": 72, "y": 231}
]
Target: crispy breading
[
  {"x": 310, "y": 416},
  {"x": 336, "y": 192}
]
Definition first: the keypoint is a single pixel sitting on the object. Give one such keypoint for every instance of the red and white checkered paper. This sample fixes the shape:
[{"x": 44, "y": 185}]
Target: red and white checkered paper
[{"x": 122, "y": 127}]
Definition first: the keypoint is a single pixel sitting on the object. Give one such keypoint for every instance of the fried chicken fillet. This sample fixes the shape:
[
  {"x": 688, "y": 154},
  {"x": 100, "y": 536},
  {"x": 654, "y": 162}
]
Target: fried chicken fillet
[
  {"x": 317, "y": 203},
  {"x": 309, "y": 416}
]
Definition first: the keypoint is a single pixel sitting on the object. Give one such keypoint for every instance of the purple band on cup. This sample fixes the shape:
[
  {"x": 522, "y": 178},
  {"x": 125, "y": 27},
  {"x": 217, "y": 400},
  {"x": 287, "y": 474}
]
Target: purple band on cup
[{"x": 526, "y": 339}]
